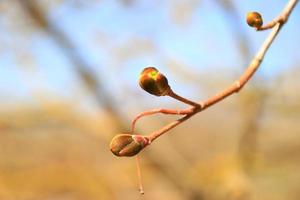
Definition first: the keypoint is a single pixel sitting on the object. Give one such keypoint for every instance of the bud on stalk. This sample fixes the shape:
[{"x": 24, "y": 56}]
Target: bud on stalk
[
  {"x": 154, "y": 82},
  {"x": 254, "y": 19}
]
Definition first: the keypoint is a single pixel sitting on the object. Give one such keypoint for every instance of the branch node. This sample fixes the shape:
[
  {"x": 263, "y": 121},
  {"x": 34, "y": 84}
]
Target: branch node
[
  {"x": 202, "y": 105},
  {"x": 237, "y": 85},
  {"x": 148, "y": 139},
  {"x": 282, "y": 19},
  {"x": 258, "y": 58}
]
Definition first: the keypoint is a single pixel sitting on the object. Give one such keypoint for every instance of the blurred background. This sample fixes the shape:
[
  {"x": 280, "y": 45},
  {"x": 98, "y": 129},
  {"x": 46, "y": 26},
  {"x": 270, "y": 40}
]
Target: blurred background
[{"x": 68, "y": 84}]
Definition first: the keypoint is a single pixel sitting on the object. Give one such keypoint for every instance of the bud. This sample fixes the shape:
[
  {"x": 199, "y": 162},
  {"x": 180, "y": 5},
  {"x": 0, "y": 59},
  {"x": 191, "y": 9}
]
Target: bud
[
  {"x": 254, "y": 19},
  {"x": 128, "y": 145},
  {"x": 154, "y": 82}
]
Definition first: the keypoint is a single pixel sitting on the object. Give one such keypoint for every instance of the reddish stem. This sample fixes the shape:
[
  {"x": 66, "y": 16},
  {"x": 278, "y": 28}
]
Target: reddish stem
[
  {"x": 162, "y": 111},
  {"x": 182, "y": 99}
]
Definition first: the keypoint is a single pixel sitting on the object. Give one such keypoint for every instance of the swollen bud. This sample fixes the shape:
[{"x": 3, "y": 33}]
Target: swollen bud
[
  {"x": 128, "y": 145},
  {"x": 254, "y": 19},
  {"x": 154, "y": 82}
]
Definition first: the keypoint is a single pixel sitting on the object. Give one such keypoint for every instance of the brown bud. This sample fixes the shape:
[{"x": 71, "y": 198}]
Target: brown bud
[
  {"x": 154, "y": 82},
  {"x": 254, "y": 19},
  {"x": 128, "y": 145}
]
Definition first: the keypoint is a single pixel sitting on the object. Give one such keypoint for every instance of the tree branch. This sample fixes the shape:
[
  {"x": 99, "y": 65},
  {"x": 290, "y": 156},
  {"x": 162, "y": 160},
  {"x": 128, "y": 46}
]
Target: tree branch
[{"x": 244, "y": 78}]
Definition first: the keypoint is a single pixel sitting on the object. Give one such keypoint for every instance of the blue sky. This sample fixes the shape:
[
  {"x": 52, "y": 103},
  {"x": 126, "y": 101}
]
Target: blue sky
[{"x": 102, "y": 32}]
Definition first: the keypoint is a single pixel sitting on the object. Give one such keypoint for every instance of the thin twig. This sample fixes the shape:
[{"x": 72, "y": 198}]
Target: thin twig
[
  {"x": 244, "y": 78},
  {"x": 282, "y": 18},
  {"x": 162, "y": 111},
  {"x": 171, "y": 93},
  {"x": 182, "y": 99}
]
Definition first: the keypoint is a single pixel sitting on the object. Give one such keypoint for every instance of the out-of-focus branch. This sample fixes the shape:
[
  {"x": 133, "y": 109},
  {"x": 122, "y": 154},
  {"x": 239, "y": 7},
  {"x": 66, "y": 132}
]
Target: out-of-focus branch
[
  {"x": 253, "y": 105},
  {"x": 236, "y": 30},
  {"x": 83, "y": 69}
]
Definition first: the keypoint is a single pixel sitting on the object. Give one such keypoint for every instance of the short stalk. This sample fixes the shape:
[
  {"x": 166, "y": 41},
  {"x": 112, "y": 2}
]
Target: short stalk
[{"x": 182, "y": 99}]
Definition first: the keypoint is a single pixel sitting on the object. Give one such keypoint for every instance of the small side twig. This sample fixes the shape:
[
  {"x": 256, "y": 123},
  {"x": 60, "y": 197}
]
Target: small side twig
[
  {"x": 182, "y": 99},
  {"x": 162, "y": 111},
  {"x": 282, "y": 18}
]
